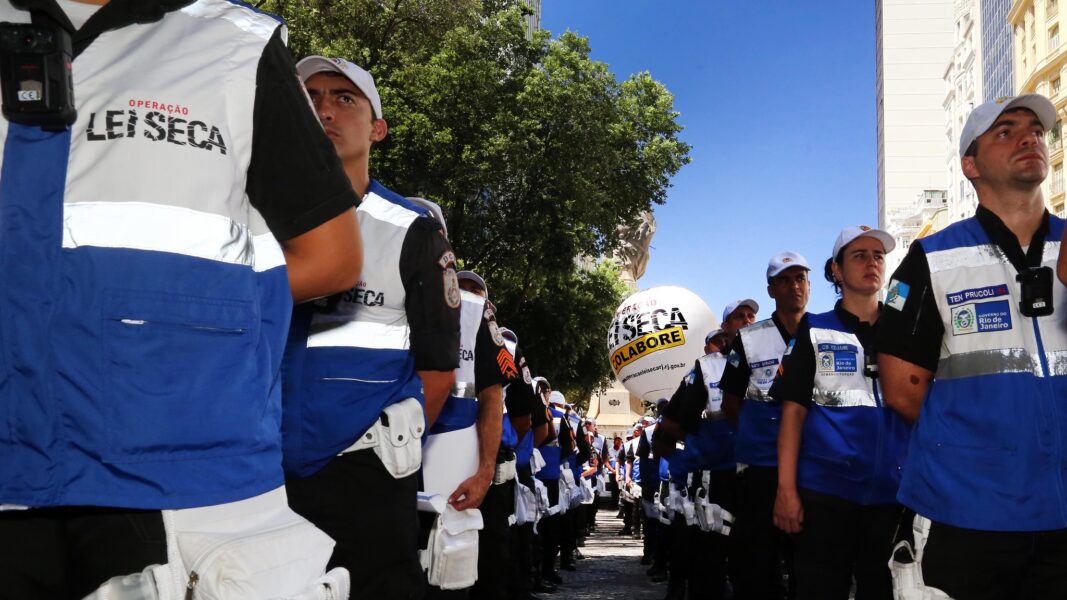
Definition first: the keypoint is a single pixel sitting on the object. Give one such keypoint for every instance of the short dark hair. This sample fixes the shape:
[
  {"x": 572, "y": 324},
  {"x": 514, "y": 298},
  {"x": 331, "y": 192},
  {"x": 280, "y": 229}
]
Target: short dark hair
[{"x": 828, "y": 271}]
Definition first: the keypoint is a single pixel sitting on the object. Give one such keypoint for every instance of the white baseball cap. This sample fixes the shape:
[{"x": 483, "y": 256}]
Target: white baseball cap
[
  {"x": 476, "y": 278},
  {"x": 711, "y": 336},
  {"x": 357, "y": 75},
  {"x": 434, "y": 210},
  {"x": 736, "y": 304},
  {"x": 984, "y": 115},
  {"x": 784, "y": 260},
  {"x": 849, "y": 234},
  {"x": 556, "y": 397}
]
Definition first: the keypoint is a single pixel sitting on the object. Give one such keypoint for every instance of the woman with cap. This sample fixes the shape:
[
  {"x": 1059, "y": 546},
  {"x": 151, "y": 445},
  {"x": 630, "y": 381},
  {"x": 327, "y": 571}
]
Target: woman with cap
[{"x": 840, "y": 448}]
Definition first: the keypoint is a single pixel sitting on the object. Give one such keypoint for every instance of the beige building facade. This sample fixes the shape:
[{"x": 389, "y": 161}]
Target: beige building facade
[
  {"x": 963, "y": 91},
  {"x": 914, "y": 43},
  {"x": 1041, "y": 66}
]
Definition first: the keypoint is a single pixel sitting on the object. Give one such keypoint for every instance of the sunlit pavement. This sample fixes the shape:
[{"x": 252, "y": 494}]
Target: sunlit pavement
[{"x": 610, "y": 569}]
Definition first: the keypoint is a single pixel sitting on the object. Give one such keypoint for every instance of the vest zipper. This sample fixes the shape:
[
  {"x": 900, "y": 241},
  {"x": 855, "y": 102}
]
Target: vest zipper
[{"x": 1052, "y": 420}]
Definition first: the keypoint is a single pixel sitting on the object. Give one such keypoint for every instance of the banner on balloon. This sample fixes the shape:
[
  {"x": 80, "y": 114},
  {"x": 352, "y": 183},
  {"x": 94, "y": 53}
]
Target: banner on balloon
[{"x": 655, "y": 337}]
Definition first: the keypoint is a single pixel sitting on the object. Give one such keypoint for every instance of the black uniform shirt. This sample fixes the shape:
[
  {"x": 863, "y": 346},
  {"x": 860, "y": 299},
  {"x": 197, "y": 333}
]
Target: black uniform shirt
[
  {"x": 428, "y": 271},
  {"x": 493, "y": 364},
  {"x": 688, "y": 401},
  {"x": 737, "y": 373},
  {"x": 796, "y": 380},
  {"x": 521, "y": 399}
]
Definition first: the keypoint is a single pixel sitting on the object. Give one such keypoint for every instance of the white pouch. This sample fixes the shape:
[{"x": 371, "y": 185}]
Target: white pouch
[
  {"x": 587, "y": 492},
  {"x": 505, "y": 472},
  {"x": 253, "y": 548},
  {"x": 537, "y": 462},
  {"x": 400, "y": 442},
  {"x": 525, "y": 505},
  {"x": 451, "y": 555},
  {"x": 699, "y": 509},
  {"x": 718, "y": 519},
  {"x": 908, "y": 576}
]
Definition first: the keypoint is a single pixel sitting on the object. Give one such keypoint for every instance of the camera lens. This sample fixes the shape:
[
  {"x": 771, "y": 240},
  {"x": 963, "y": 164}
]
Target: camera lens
[{"x": 28, "y": 40}]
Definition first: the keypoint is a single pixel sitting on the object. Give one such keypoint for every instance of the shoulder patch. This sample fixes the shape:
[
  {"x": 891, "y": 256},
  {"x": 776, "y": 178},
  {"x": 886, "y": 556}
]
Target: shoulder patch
[
  {"x": 691, "y": 377},
  {"x": 448, "y": 259},
  {"x": 526, "y": 375},
  {"x": 489, "y": 315},
  {"x": 506, "y": 362},
  {"x": 494, "y": 330},
  {"x": 452, "y": 296},
  {"x": 897, "y": 294},
  {"x": 789, "y": 347}
]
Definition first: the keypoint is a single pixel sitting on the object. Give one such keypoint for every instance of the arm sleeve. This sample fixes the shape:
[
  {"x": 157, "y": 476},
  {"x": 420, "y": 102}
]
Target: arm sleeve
[
  {"x": 910, "y": 326},
  {"x": 520, "y": 399},
  {"x": 493, "y": 364},
  {"x": 736, "y": 374},
  {"x": 295, "y": 179},
  {"x": 688, "y": 401},
  {"x": 433, "y": 320},
  {"x": 540, "y": 414},
  {"x": 796, "y": 380}
]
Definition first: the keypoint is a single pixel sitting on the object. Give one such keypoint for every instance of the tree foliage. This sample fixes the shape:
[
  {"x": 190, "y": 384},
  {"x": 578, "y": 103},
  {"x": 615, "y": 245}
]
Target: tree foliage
[{"x": 535, "y": 152}]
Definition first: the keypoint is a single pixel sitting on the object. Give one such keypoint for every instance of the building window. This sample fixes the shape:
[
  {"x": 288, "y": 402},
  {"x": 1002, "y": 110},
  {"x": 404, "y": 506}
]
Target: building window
[
  {"x": 1053, "y": 37},
  {"x": 1052, "y": 7},
  {"x": 1054, "y": 87},
  {"x": 1056, "y": 187}
]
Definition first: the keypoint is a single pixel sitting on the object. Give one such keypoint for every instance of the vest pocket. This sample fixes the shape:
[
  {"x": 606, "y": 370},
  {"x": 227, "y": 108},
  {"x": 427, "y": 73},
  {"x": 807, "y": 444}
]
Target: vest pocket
[{"x": 183, "y": 377}]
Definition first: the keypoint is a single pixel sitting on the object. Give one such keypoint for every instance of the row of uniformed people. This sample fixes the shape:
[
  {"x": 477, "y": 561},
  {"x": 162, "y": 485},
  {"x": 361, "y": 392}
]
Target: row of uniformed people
[
  {"x": 820, "y": 407},
  {"x": 740, "y": 449}
]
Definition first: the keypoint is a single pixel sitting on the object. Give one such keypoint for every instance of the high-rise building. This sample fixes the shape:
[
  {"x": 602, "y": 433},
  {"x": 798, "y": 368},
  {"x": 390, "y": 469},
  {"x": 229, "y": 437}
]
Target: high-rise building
[
  {"x": 533, "y": 21},
  {"x": 963, "y": 91},
  {"x": 914, "y": 43},
  {"x": 1040, "y": 62},
  {"x": 997, "y": 73}
]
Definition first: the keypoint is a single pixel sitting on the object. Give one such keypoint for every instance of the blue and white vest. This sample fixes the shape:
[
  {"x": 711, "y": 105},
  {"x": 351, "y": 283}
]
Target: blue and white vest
[
  {"x": 711, "y": 447},
  {"x": 853, "y": 446},
  {"x": 989, "y": 450},
  {"x": 344, "y": 366},
  {"x": 551, "y": 452},
  {"x": 461, "y": 408},
  {"x": 756, "y": 442},
  {"x": 144, "y": 302}
]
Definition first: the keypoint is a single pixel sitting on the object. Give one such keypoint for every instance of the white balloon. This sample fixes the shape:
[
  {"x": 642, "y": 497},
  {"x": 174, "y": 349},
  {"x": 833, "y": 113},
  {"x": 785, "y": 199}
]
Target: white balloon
[{"x": 655, "y": 337}]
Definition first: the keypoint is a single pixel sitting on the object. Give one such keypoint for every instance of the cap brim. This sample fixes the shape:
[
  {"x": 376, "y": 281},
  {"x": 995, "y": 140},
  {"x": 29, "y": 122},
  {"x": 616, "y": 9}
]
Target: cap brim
[
  {"x": 316, "y": 64},
  {"x": 1040, "y": 105},
  {"x": 887, "y": 240}
]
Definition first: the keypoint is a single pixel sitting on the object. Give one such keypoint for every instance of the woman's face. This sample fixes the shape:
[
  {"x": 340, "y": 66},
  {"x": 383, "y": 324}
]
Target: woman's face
[{"x": 862, "y": 268}]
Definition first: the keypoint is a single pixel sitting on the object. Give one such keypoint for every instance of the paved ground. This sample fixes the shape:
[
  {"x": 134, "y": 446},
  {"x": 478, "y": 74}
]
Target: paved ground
[{"x": 610, "y": 569}]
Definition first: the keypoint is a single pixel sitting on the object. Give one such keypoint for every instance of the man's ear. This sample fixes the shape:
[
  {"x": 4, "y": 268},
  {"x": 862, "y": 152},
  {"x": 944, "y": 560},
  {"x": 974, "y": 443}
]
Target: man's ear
[
  {"x": 379, "y": 131},
  {"x": 970, "y": 170}
]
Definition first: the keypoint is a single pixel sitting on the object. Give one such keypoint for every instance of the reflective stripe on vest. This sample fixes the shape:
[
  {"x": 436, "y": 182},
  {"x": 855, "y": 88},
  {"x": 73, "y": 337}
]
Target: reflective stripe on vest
[
  {"x": 989, "y": 450},
  {"x": 144, "y": 303}
]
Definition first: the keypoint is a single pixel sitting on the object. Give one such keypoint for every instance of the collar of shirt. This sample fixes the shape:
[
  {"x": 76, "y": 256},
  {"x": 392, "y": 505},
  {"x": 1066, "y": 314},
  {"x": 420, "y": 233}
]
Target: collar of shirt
[
  {"x": 864, "y": 331},
  {"x": 1003, "y": 237},
  {"x": 788, "y": 337}
]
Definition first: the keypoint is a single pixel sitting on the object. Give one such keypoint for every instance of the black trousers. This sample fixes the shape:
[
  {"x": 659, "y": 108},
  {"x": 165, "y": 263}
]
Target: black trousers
[
  {"x": 550, "y": 528},
  {"x": 494, "y": 544},
  {"x": 995, "y": 565},
  {"x": 756, "y": 545},
  {"x": 373, "y": 519},
  {"x": 698, "y": 558},
  {"x": 840, "y": 540},
  {"x": 66, "y": 553}
]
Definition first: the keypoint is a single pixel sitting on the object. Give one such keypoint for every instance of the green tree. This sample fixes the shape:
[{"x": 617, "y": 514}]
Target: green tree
[{"x": 535, "y": 152}]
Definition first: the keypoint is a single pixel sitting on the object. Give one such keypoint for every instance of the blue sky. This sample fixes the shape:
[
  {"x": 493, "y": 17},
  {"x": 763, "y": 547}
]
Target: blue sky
[{"x": 777, "y": 100}]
